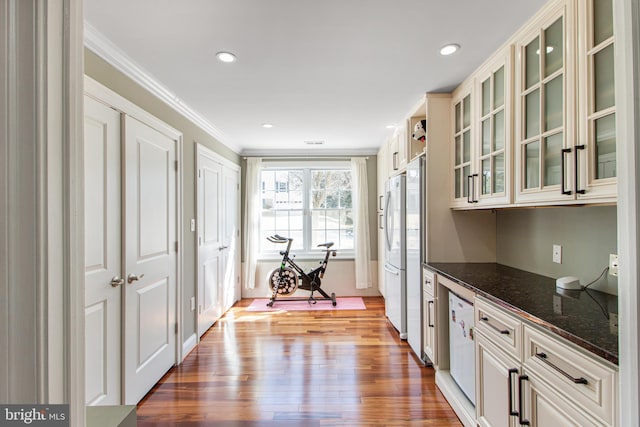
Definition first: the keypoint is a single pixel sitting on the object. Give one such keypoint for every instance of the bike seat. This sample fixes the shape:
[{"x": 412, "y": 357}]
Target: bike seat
[
  {"x": 278, "y": 239},
  {"x": 326, "y": 245}
]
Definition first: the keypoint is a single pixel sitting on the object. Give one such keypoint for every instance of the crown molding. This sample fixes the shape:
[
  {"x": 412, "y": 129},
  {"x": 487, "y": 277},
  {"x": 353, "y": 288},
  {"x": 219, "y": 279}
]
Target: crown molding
[
  {"x": 311, "y": 154},
  {"x": 105, "y": 49}
]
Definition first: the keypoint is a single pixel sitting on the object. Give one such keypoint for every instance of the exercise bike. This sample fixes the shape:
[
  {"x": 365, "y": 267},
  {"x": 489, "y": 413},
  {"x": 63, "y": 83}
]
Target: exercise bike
[{"x": 284, "y": 281}]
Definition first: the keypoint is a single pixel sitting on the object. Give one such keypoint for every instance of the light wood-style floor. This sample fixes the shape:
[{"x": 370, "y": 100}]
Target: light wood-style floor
[{"x": 300, "y": 368}]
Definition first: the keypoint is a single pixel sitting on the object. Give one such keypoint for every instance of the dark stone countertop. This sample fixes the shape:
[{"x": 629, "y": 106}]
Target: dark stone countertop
[{"x": 582, "y": 317}]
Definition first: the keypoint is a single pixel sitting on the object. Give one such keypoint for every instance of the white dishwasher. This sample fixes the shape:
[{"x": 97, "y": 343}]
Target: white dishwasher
[{"x": 461, "y": 347}]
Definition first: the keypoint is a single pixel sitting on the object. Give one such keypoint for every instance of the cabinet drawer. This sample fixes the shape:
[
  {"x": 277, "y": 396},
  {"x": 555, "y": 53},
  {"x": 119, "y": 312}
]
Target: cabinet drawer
[
  {"x": 428, "y": 279},
  {"x": 502, "y": 328},
  {"x": 581, "y": 378}
]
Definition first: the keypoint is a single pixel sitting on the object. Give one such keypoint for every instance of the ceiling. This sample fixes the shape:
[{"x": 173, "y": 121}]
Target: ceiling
[{"x": 337, "y": 71}]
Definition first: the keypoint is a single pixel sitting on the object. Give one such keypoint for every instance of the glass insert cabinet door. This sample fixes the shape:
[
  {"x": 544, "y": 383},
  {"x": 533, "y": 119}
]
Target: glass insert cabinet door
[
  {"x": 542, "y": 130},
  {"x": 462, "y": 149},
  {"x": 598, "y": 177},
  {"x": 493, "y": 131}
]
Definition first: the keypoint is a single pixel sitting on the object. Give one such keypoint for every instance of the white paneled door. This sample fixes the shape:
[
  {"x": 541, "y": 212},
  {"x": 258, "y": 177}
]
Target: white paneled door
[
  {"x": 210, "y": 245},
  {"x": 103, "y": 281},
  {"x": 218, "y": 237},
  {"x": 149, "y": 231}
]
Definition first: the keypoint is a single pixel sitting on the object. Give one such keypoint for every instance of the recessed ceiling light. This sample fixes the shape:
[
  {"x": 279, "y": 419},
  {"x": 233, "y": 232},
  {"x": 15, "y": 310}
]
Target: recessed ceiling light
[
  {"x": 315, "y": 142},
  {"x": 267, "y": 125},
  {"x": 390, "y": 126},
  {"x": 449, "y": 49},
  {"x": 226, "y": 56}
]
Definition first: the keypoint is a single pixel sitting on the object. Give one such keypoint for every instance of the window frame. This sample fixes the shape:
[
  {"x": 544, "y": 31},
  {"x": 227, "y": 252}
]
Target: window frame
[{"x": 307, "y": 252}]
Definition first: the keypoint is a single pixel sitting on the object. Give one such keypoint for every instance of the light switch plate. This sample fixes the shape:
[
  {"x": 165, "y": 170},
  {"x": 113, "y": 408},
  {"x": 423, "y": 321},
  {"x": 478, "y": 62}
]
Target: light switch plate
[
  {"x": 557, "y": 254},
  {"x": 193, "y": 225},
  {"x": 613, "y": 264},
  {"x": 193, "y": 303}
]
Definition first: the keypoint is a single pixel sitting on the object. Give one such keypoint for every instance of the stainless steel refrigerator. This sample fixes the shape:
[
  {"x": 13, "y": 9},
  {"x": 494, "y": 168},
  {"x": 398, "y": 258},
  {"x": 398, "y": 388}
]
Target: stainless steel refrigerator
[
  {"x": 395, "y": 254},
  {"x": 415, "y": 253}
]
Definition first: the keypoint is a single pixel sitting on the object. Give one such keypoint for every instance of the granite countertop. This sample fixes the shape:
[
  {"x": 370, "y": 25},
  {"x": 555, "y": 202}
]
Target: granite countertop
[{"x": 587, "y": 318}]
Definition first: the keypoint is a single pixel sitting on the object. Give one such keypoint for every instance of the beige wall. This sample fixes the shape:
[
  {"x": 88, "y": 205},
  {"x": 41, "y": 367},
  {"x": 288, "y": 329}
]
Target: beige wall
[
  {"x": 99, "y": 70},
  {"x": 587, "y": 234}
]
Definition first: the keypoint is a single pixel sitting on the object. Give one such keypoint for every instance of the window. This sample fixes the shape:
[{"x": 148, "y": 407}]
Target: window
[{"x": 311, "y": 204}]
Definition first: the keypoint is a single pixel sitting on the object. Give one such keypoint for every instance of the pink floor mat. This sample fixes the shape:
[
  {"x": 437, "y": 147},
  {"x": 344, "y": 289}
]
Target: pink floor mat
[{"x": 351, "y": 303}]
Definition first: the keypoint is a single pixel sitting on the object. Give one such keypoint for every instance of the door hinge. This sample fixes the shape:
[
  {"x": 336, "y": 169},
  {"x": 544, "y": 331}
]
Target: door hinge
[
  {"x": 176, "y": 246},
  {"x": 176, "y": 328},
  {"x": 199, "y": 173},
  {"x": 175, "y": 164}
]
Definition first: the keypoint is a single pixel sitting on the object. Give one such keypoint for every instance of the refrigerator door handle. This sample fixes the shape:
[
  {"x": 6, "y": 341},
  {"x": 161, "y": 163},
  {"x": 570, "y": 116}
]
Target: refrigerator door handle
[
  {"x": 392, "y": 270},
  {"x": 387, "y": 228}
]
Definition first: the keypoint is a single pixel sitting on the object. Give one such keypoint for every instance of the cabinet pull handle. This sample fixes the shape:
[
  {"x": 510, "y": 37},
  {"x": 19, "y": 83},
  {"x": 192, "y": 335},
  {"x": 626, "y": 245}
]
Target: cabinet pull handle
[
  {"x": 473, "y": 192},
  {"x": 429, "y": 304},
  {"x": 575, "y": 168},
  {"x": 562, "y": 170},
  {"x": 495, "y": 328},
  {"x": 510, "y": 388},
  {"x": 521, "y": 419},
  {"x": 469, "y": 184},
  {"x": 543, "y": 357},
  {"x": 395, "y": 161},
  {"x": 380, "y": 202}
]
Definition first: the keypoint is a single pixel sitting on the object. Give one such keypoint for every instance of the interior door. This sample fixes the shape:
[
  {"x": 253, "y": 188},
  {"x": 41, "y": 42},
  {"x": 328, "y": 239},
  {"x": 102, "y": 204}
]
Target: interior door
[
  {"x": 230, "y": 238},
  {"x": 150, "y": 257},
  {"x": 210, "y": 245},
  {"x": 102, "y": 213}
]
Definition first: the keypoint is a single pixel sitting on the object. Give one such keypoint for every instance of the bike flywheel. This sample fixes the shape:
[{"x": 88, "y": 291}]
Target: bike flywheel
[{"x": 284, "y": 280}]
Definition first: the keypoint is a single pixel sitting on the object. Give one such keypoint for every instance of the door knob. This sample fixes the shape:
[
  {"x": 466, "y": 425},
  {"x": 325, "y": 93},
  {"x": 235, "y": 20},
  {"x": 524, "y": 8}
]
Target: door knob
[
  {"x": 222, "y": 248},
  {"x": 116, "y": 281},
  {"x": 132, "y": 278}
]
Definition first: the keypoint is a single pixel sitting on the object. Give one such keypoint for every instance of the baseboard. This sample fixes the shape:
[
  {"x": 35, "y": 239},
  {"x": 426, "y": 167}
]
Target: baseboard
[{"x": 189, "y": 344}]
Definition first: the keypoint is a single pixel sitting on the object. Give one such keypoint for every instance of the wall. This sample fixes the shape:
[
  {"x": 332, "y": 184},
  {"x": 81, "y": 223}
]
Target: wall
[
  {"x": 587, "y": 234},
  {"x": 100, "y": 70}
]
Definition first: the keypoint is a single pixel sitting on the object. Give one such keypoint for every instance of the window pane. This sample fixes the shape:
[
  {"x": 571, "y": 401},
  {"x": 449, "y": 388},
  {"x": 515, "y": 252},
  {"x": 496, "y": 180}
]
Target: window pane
[
  {"x": 486, "y": 137},
  {"x": 498, "y": 88},
  {"x": 553, "y": 104},
  {"x": 458, "y": 153},
  {"x": 346, "y": 239},
  {"x": 498, "y": 173},
  {"x": 458, "y": 117},
  {"x": 458, "y": 183},
  {"x": 532, "y": 114},
  {"x": 532, "y": 165},
  {"x": 498, "y": 130},
  {"x": 466, "y": 111},
  {"x": 318, "y": 199},
  {"x": 486, "y": 97},
  {"x": 486, "y": 176},
  {"x": 603, "y": 78},
  {"x": 532, "y": 70},
  {"x": 605, "y": 128},
  {"x": 553, "y": 37},
  {"x": 552, "y": 159},
  {"x": 602, "y": 21}
]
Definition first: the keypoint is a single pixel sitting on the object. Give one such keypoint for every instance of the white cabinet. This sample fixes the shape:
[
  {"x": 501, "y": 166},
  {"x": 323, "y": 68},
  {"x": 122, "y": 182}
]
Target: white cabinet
[
  {"x": 429, "y": 313},
  {"x": 383, "y": 174},
  {"x": 525, "y": 376},
  {"x": 565, "y": 137},
  {"x": 545, "y": 94},
  {"x": 596, "y": 148},
  {"x": 462, "y": 181}
]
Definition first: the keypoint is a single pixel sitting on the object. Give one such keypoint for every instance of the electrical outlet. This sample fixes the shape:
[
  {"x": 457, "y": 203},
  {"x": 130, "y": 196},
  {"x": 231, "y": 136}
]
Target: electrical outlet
[
  {"x": 613, "y": 264},
  {"x": 193, "y": 303},
  {"x": 193, "y": 225},
  {"x": 557, "y": 254}
]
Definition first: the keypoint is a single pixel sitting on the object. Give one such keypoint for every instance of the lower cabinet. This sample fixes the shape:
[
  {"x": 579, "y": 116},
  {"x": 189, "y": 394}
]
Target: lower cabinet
[
  {"x": 429, "y": 314},
  {"x": 549, "y": 383}
]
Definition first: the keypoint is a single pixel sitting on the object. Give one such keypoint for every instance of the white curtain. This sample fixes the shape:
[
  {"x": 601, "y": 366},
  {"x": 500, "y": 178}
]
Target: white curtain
[
  {"x": 361, "y": 222},
  {"x": 252, "y": 220}
]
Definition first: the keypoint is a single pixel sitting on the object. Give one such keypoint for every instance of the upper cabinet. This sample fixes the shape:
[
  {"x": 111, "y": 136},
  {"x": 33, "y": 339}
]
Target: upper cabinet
[
  {"x": 481, "y": 150},
  {"x": 597, "y": 111},
  {"x": 535, "y": 125},
  {"x": 545, "y": 108}
]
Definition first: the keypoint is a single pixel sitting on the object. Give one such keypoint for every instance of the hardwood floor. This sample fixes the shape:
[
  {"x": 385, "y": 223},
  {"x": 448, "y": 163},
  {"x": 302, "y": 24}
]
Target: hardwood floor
[{"x": 301, "y": 368}]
